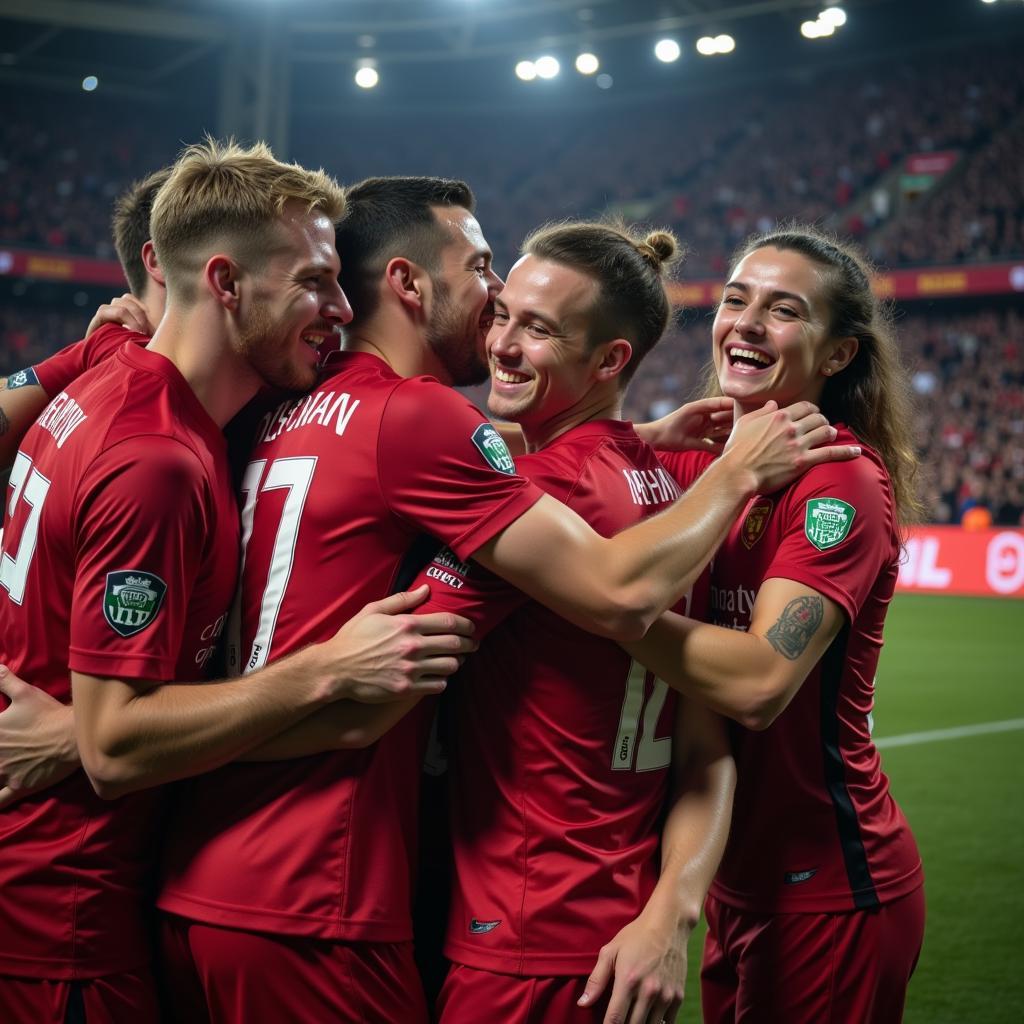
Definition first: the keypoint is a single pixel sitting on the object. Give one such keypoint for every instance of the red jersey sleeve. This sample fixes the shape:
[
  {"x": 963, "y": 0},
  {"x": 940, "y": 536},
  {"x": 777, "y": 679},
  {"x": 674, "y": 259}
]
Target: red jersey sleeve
[
  {"x": 685, "y": 467},
  {"x": 839, "y": 531},
  {"x": 57, "y": 372},
  {"x": 443, "y": 468},
  {"x": 139, "y": 540}
]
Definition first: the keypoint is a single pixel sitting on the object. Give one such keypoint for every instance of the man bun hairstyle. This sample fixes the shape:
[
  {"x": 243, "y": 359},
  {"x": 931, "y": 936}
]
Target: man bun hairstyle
[
  {"x": 130, "y": 227},
  {"x": 387, "y": 217},
  {"x": 219, "y": 193},
  {"x": 631, "y": 269}
]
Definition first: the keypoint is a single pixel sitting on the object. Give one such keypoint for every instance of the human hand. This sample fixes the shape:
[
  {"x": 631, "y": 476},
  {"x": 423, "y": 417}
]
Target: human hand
[
  {"x": 37, "y": 739},
  {"x": 778, "y": 445},
  {"x": 385, "y": 654},
  {"x": 647, "y": 960},
  {"x": 127, "y": 311},
  {"x": 696, "y": 426}
]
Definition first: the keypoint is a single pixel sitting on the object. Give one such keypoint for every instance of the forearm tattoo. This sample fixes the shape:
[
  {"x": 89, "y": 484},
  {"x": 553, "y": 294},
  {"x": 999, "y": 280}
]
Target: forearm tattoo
[{"x": 798, "y": 622}]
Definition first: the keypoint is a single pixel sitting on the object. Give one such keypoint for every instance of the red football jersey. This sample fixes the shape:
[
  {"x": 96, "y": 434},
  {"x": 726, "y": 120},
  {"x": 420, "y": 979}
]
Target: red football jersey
[
  {"x": 340, "y": 486},
  {"x": 59, "y": 370},
  {"x": 560, "y": 745},
  {"x": 814, "y": 827},
  {"x": 120, "y": 547}
]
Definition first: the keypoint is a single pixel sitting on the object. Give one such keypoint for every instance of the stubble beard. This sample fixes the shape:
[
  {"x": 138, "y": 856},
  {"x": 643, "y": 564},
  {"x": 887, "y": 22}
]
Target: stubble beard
[{"x": 453, "y": 342}]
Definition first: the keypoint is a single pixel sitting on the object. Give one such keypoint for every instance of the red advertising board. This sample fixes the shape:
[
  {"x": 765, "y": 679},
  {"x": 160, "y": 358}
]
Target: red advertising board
[{"x": 951, "y": 560}]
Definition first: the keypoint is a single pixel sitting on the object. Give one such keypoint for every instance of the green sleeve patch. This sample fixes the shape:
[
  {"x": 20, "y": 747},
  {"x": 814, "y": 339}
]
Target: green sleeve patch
[
  {"x": 827, "y": 521},
  {"x": 491, "y": 446},
  {"x": 132, "y": 600}
]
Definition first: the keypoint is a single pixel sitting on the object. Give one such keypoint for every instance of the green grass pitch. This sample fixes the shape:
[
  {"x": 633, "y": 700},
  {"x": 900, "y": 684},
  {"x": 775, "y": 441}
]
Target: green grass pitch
[{"x": 952, "y": 662}]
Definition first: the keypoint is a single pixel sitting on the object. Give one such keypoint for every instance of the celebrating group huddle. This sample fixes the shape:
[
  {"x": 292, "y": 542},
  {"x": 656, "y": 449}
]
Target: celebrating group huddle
[{"x": 608, "y": 596}]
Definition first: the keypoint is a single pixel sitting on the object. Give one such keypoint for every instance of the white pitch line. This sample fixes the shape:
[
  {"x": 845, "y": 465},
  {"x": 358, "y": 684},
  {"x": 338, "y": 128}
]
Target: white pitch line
[{"x": 909, "y": 739}]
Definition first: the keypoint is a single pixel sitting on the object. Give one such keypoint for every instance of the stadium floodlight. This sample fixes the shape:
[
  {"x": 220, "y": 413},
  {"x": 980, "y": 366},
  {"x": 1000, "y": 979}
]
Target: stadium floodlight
[
  {"x": 90, "y": 82},
  {"x": 667, "y": 50},
  {"x": 587, "y": 63},
  {"x": 825, "y": 28},
  {"x": 367, "y": 77},
  {"x": 725, "y": 43},
  {"x": 547, "y": 66},
  {"x": 988, "y": 1},
  {"x": 834, "y": 16},
  {"x": 526, "y": 70},
  {"x": 810, "y": 29},
  {"x": 706, "y": 46}
]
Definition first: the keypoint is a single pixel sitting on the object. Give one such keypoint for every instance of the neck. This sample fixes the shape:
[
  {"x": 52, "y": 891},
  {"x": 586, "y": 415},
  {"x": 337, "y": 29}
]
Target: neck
[
  {"x": 399, "y": 342},
  {"x": 197, "y": 341},
  {"x": 591, "y": 407}
]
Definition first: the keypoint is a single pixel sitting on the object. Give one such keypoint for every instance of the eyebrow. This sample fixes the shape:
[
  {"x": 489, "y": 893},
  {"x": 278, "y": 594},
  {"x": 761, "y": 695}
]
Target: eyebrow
[
  {"x": 532, "y": 314},
  {"x": 776, "y": 294}
]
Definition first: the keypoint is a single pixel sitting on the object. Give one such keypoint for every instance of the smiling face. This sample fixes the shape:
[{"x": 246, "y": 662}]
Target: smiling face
[
  {"x": 462, "y": 299},
  {"x": 543, "y": 369},
  {"x": 771, "y": 332},
  {"x": 295, "y": 302}
]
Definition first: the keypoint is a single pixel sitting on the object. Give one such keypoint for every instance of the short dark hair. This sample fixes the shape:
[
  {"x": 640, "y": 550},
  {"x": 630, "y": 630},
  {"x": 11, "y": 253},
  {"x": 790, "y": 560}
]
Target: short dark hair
[
  {"x": 630, "y": 267},
  {"x": 389, "y": 217},
  {"x": 130, "y": 226}
]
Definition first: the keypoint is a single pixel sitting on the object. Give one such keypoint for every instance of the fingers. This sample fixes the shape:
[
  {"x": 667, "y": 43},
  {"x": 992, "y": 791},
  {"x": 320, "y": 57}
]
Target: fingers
[
  {"x": 7, "y": 796},
  {"x": 819, "y": 436},
  {"x": 798, "y": 410},
  {"x": 442, "y": 622},
  {"x": 834, "y": 453},
  {"x": 396, "y": 604},
  {"x": 445, "y": 645},
  {"x": 618, "y": 1005},
  {"x": 658, "y": 1012},
  {"x": 428, "y": 687},
  {"x": 10, "y": 685},
  {"x": 598, "y": 979}
]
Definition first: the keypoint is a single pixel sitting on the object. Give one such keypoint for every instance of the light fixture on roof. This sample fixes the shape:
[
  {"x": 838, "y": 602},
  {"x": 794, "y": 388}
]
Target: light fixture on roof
[
  {"x": 526, "y": 70},
  {"x": 587, "y": 63},
  {"x": 667, "y": 50},
  {"x": 90, "y": 83},
  {"x": 547, "y": 66},
  {"x": 366, "y": 76},
  {"x": 709, "y": 46}
]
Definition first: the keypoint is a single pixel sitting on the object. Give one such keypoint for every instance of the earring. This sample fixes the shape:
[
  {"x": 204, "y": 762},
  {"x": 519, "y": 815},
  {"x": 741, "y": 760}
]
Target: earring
[{"x": 827, "y": 369}]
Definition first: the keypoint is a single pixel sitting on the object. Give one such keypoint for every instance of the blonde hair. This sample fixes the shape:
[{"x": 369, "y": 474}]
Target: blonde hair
[{"x": 222, "y": 193}]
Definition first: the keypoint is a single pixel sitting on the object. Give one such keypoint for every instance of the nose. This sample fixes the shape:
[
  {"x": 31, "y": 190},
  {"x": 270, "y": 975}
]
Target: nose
[
  {"x": 749, "y": 321},
  {"x": 502, "y": 342},
  {"x": 336, "y": 306},
  {"x": 494, "y": 283}
]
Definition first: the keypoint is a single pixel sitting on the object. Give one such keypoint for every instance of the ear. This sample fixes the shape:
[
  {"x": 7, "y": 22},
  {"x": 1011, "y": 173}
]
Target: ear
[
  {"x": 613, "y": 358},
  {"x": 840, "y": 357},
  {"x": 220, "y": 276},
  {"x": 407, "y": 280},
  {"x": 149, "y": 261}
]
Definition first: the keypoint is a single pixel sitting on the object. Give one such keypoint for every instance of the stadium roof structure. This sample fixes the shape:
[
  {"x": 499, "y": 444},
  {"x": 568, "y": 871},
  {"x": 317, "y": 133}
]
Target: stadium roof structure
[{"x": 258, "y": 60}]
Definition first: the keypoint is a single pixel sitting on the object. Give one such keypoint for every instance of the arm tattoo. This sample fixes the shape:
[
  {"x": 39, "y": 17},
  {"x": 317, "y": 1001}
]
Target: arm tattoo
[{"x": 798, "y": 622}]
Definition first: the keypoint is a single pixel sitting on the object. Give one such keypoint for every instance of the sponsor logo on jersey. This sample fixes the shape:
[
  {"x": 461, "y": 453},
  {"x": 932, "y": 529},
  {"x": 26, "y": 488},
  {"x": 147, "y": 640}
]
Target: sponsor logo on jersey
[
  {"x": 22, "y": 379},
  {"x": 827, "y": 522},
  {"x": 755, "y": 523},
  {"x": 132, "y": 600},
  {"x": 448, "y": 569},
  {"x": 490, "y": 445},
  {"x": 796, "y": 877},
  {"x": 480, "y": 927}
]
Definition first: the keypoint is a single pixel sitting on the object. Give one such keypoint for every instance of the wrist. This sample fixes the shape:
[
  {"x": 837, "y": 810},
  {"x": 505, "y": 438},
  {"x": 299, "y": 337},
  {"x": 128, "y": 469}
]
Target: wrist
[{"x": 734, "y": 476}]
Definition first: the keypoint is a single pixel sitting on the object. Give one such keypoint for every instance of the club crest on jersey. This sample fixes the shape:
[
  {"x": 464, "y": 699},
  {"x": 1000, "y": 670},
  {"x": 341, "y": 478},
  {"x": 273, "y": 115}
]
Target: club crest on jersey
[
  {"x": 493, "y": 448},
  {"x": 827, "y": 522},
  {"x": 755, "y": 523},
  {"x": 132, "y": 600}
]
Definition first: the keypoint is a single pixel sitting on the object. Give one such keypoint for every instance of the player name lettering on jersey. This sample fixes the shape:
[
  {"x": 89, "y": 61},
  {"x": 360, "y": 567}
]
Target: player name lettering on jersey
[
  {"x": 62, "y": 417},
  {"x": 323, "y": 408},
  {"x": 732, "y": 601},
  {"x": 651, "y": 486}
]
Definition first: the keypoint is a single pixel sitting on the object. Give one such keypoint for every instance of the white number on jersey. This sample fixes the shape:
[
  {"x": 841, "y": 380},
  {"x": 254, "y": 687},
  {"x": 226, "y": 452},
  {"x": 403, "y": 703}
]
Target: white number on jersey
[
  {"x": 25, "y": 482},
  {"x": 295, "y": 475},
  {"x": 635, "y": 745}
]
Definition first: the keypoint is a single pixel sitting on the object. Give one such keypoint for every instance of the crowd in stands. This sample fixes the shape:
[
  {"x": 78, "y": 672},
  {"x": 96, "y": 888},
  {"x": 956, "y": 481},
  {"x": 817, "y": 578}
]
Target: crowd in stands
[{"x": 826, "y": 149}]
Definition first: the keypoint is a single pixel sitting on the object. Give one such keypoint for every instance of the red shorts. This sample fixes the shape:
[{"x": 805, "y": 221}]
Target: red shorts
[
  {"x": 470, "y": 996},
  {"x": 239, "y": 977},
  {"x": 112, "y": 999},
  {"x": 808, "y": 968}
]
